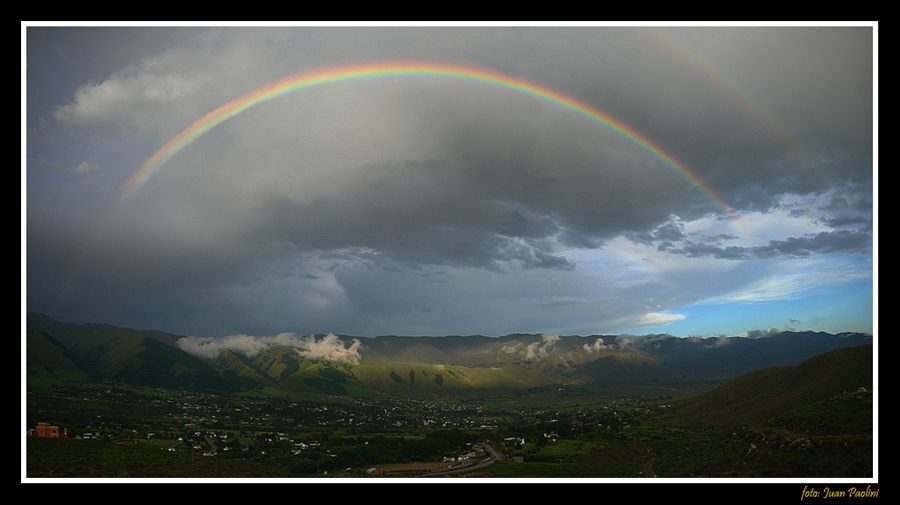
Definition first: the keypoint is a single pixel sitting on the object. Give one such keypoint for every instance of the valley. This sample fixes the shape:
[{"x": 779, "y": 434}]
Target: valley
[{"x": 279, "y": 416}]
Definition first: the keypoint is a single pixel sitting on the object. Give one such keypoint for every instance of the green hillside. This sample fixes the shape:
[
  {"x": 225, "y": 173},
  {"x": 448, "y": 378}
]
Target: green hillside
[
  {"x": 99, "y": 349},
  {"x": 63, "y": 352},
  {"x": 777, "y": 390},
  {"x": 48, "y": 362}
]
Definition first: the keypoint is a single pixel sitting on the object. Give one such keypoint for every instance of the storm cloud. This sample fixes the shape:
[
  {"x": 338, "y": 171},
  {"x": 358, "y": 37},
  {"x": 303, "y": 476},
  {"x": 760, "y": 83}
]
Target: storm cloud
[
  {"x": 844, "y": 241},
  {"x": 345, "y": 206}
]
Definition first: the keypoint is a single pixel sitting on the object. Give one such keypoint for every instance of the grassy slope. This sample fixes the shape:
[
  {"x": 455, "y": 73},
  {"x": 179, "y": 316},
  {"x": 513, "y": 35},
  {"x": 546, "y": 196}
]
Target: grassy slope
[
  {"x": 405, "y": 378},
  {"x": 776, "y": 390},
  {"x": 100, "y": 349},
  {"x": 64, "y": 352},
  {"x": 49, "y": 363},
  {"x": 376, "y": 375}
]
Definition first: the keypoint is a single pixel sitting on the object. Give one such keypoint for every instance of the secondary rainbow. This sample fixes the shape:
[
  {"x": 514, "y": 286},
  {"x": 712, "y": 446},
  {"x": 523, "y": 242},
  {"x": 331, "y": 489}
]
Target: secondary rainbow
[
  {"x": 767, "y": 119},
  {"x": 305, "y": 80},
  {"x": 691, "y": 59}
]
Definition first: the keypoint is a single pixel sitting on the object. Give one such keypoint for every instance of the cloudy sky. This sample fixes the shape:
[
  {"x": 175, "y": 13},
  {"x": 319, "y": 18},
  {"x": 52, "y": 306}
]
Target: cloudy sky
[{"x": 435, "y": 206}]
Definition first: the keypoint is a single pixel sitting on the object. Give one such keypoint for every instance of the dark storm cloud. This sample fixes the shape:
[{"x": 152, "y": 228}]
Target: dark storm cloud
[
  {"x": 852, "y": 197},
  {"x": 298, "y": 208},
  {"x": 837, "y": 222},
  {"x": 420, "y": 217},
  {"x": 840, "y": 241}
]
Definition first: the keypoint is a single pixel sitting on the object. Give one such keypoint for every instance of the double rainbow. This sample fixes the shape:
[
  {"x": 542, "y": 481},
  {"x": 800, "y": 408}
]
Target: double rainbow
[{"x": 305, "y": 80}]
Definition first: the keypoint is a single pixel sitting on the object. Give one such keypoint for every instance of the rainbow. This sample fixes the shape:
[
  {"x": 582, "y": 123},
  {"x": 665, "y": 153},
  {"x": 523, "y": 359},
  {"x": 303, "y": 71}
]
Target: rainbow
[
  {"x": 306, "y": 80},
  {"x": 740, "y": 96}
]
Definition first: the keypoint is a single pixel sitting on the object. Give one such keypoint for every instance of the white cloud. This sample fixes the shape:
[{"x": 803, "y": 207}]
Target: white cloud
[
  {"x": 642, "y": 320},
  {"x": 209, "y": 347},
  {"x": 126, "y": 98},
  {"x": 758, "y": 228},
  {"x": 597, "y": 346},
  {"x": 647, "y": 259},
  {"x": 536, "y": 351},
  {"x": 793, "y": 279},
  {"x": 328, "y": 348},
  {"x": 658, "y": 319},
  {"x": 85, "y": 167}
]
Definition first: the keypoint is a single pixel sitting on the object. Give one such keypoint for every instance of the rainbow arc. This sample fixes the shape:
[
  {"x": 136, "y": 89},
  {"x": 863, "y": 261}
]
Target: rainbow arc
[{"x": 306, "y": 80}]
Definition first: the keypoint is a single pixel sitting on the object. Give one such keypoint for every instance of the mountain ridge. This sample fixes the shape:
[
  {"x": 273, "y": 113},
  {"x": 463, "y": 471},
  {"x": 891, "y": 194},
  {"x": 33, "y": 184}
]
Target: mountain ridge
[{"x": 397, "y": 365}]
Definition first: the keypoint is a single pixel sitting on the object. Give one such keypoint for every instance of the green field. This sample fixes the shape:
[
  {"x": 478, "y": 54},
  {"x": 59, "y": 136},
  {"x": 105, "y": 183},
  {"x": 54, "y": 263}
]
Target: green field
[{"x": 96, "y": 458}]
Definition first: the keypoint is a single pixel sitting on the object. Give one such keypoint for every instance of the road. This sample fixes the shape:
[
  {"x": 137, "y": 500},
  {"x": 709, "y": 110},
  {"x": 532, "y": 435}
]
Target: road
[{"x": 495, "y": 456}]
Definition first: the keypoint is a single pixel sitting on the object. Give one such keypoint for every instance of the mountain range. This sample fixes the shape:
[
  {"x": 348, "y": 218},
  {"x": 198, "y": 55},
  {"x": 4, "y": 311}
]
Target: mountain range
[{"x": 341, "y": 365}]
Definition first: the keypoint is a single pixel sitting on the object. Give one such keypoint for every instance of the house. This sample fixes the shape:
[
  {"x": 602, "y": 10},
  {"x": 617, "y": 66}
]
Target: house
[{"x": 43, "y": 430}]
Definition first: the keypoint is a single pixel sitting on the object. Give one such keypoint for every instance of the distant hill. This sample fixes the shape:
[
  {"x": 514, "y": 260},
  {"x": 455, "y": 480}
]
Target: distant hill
[
  {"x": 775, "y": 391},
  {"x": 48, "y": 361},
  {"x": 811, "y": 419},
  {"x": 419, "y": 366},
  {"x": 64, "y": 352}
]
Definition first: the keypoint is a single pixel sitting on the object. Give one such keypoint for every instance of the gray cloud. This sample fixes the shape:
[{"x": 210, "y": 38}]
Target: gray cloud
[
  {"x": 762, "y": 333},
  {"x": 841, "y": 221},
  {"x": 337, "y": 205},
  {"x": 843, "y": 241}
]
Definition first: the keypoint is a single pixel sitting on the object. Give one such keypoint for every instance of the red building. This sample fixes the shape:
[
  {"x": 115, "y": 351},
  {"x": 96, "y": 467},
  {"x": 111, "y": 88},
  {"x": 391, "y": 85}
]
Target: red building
[{"x": 42, "y": 430}]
